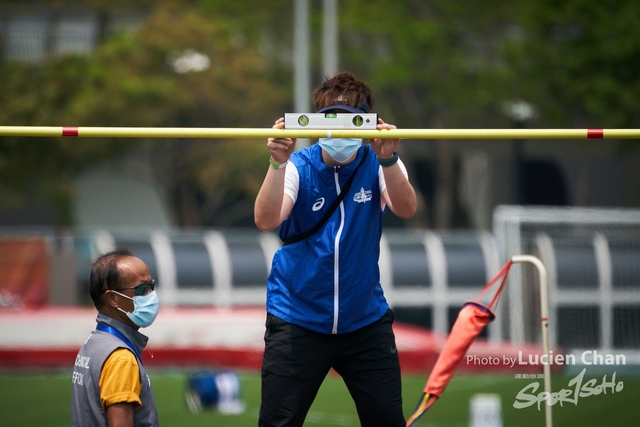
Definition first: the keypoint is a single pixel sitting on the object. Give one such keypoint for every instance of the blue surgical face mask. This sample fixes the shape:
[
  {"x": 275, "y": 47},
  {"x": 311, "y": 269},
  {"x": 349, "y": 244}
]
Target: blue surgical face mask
[
  {"x": 340, "y": 149},
  {"x": 145, "y": 308}
]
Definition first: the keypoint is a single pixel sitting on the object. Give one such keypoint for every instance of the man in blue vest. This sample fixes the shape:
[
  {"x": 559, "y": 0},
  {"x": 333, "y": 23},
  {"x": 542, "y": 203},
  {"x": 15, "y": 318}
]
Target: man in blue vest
[
  {"x": 325, "y": 306},
  {"x": 110, "y": 386}
]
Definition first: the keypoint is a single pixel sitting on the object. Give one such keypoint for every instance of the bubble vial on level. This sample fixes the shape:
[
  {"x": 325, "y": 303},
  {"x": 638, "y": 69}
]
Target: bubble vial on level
[{"x": 303, "y": 120}]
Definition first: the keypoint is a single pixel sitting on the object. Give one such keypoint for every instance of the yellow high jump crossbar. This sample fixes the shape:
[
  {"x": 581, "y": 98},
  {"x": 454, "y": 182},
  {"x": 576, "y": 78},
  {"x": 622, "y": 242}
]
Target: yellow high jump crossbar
[{"x": 170, "y": 132}]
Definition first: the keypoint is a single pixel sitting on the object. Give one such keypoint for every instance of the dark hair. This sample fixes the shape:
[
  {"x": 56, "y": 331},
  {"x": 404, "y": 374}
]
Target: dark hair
[
  {"x": 343, "y": 88},
  {"x": 106, "y": 275}
]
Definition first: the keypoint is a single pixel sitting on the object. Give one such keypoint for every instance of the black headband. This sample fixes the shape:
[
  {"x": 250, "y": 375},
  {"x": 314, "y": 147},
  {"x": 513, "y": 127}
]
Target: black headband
[{"x": 365, "y": 108}]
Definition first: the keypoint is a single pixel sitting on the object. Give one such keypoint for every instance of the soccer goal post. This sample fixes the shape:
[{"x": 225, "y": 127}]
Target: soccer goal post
[{"x": 592, "y": 257}]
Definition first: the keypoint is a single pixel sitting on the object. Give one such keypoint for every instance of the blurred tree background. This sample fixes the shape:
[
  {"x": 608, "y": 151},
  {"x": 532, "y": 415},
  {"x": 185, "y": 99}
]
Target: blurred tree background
[{"x": 432, "y": 64}]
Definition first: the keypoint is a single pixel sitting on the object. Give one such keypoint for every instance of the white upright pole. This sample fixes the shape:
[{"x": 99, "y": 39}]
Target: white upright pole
[
  {"x": 330, "y": 37},
  {"x": 302, "y": 78},
  {"x": 544, "y": 320}
]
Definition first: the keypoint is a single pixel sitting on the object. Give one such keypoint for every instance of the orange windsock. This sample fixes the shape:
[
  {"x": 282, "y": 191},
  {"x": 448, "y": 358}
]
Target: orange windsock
[{"x": 471, "y": 321}]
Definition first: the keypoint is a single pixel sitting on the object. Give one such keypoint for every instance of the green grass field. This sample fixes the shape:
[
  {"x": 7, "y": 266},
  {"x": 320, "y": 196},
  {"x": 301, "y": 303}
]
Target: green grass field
[{"x": 42, "y": 399}]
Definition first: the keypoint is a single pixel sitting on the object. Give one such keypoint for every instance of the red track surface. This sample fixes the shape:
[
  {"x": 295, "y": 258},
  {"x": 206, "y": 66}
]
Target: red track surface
[{"x": 214, "y": 338}]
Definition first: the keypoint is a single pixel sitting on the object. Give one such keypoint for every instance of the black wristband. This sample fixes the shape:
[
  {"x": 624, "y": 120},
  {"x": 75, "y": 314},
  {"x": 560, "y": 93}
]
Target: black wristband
[{"x": 388, "y": 162}]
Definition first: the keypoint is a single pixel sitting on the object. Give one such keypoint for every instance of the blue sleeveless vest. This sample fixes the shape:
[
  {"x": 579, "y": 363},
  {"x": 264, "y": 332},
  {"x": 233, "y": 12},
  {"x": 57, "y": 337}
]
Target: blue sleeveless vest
[{"x": 330, "y": 282}]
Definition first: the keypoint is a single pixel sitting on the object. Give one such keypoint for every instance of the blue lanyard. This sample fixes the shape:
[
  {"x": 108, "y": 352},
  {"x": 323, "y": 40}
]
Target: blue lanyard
[{"x": 106, "y": 328}]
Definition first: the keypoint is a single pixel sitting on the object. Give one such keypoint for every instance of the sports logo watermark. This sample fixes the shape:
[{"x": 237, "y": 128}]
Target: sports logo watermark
[{"x": 577, "y": 388}]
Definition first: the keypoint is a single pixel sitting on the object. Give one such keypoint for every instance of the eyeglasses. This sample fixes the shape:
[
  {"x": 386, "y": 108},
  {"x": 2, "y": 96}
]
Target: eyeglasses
[{"x": 141, "y": 289}]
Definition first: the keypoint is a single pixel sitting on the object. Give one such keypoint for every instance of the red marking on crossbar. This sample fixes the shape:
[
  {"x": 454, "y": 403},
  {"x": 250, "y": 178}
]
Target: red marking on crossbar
[
  {"x": 595, "y": 133},
  {"x": 69, "y": 131},
  {"x": 544, "y": 319}
]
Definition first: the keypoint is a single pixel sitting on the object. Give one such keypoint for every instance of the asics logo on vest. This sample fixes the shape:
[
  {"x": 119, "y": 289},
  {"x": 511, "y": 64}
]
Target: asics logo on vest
[
  {"x": 318, "y": 204},
  {"x": 362, "y": 196}
]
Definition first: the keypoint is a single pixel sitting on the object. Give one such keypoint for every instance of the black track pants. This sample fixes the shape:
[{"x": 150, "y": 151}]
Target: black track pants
[{"x": 296, "y": 361}]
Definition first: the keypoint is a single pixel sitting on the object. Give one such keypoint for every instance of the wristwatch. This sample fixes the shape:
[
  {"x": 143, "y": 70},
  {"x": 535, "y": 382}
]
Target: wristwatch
[{"x": 388, "y": 162}]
